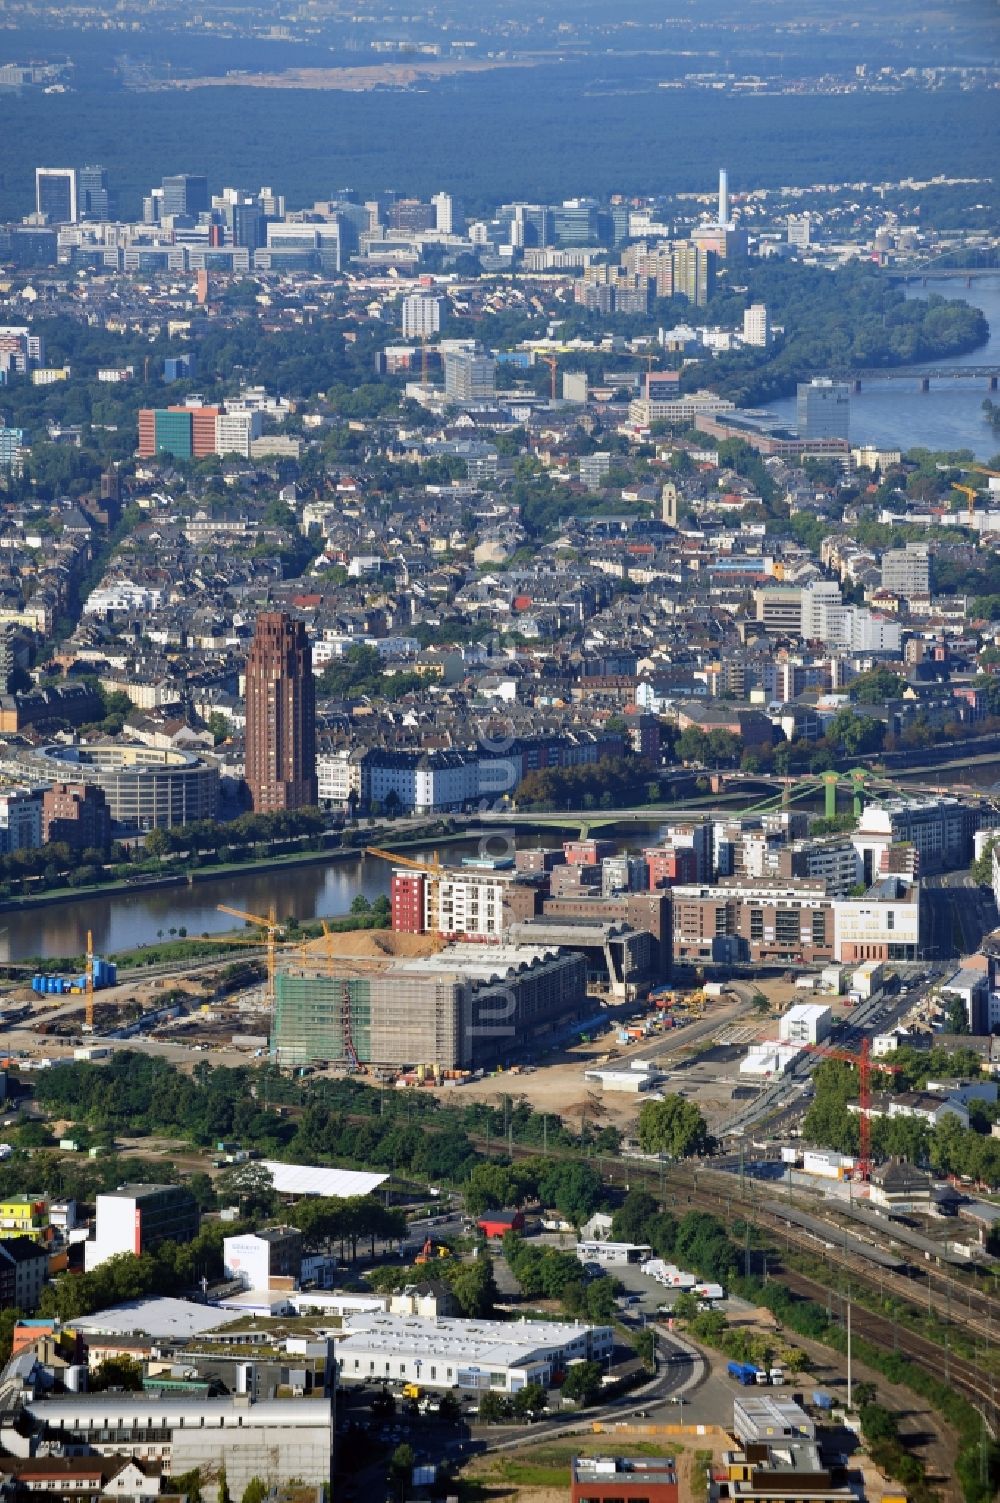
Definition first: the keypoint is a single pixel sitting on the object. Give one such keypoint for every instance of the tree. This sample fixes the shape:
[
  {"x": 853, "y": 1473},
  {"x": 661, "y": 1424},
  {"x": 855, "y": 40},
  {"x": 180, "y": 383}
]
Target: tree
[
  {"x": 645, "y": 1348},
  {"x": 958, "y": 1018},
  {"x": 878, "y": 1424},
  {"x": 982, "y": 866},
  {"x": 494, "y": 1408},
  {"x": 672, "y": 1126},
  {"x": 224, "y": 1495},
  {"x": 189, "y": 1483},
  {"x": 630, "y": 1223},
  {"x": 600, "y": 1301},
  {"x": 401, "y": 1466},
  {"x": 474, "y": 1286},
  {"x": 120, "y": 1373},
  {"x": 251, "y": 1186},
  {"x": 157, "y": 843},
  {"x": 531, "y": 1400},
  {"x": 583, "y": 1382},
  {"x": 451, "y": 1409}
]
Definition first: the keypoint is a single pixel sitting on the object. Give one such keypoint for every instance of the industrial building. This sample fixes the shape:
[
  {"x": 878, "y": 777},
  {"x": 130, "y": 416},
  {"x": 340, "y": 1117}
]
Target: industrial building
[
  {"x": 273, "y": 1441},
  {"x": 479, "y": 1354},
  {"x": 758, "y": 1416},
  {"x": 461, "y": 1009},
  {"x": 619, "y": 959},
  {"x": 622, "y": 1479}
]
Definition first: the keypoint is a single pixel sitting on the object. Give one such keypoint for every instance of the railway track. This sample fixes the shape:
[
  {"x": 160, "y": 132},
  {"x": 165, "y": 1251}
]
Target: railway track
[
  {"x": 967, "y": 1306},
  {"x": 962, "y": 1374}
]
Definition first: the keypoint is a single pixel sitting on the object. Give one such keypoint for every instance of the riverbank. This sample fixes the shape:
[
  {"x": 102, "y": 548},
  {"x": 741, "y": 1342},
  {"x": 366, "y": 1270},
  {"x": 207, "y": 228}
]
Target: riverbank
[{"x": 192, "y": 876}]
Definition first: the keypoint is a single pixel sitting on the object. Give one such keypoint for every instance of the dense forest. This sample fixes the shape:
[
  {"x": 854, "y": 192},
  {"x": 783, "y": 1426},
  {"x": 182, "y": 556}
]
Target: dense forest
[{"x": 542, "y": 133}]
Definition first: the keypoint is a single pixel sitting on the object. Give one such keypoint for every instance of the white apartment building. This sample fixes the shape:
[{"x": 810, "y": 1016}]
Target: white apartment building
[
  {"x": 468, "y": 903},
  {"x": 421, "y": 316},
  {"x": 20, "y": 820},
  {"x": 806, "y": 1023},
  {"x": 756, "y": 325},
  {"x": 236, "y": 429}
]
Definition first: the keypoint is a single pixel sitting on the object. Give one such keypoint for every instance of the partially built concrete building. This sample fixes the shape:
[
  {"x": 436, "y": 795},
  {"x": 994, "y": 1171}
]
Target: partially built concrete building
[{"x": 467, "y": 1007}]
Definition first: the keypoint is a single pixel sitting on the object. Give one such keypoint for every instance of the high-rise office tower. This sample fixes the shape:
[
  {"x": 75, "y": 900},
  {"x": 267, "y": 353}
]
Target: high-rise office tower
[
  {"x": 281, "y": 715},
  {"x": 93, "y": 193},
  {"x": 186, "y": 194},
  {"x": 822, "y": 408},
  {"x": 723, "y": 196},
  {"x": 448, "y": 216},
  {"x": 56, "y": 195},
  {"x": 469, "y": 376},
  {"x": 799, "y": 231}
]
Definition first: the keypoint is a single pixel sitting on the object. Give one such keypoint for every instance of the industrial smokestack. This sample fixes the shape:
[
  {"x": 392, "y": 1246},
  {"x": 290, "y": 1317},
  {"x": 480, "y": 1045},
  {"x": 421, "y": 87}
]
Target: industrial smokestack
[{"x": 723, "y": 196}]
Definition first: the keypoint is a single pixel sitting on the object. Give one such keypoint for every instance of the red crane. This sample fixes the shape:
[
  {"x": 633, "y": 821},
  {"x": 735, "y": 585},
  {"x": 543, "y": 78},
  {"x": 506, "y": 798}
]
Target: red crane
[{"x": 862, "y": 1061}]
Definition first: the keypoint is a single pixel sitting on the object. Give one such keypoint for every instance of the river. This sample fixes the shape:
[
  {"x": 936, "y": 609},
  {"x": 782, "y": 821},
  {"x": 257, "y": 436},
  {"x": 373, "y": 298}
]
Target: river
[
  {"x": 123, "y": 921},
  {"x": 897, "y": 415}
]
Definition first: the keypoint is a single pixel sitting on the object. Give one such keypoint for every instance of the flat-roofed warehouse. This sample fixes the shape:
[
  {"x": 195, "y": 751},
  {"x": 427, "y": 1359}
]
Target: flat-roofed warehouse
[
  {"x": 463, "y": 1008},
  {"x": 445, "y": 1353}
]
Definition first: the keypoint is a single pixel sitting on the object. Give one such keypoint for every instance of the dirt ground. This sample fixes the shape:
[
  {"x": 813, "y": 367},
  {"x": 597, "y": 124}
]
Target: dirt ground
[
  {"x": 920, "y": 1426},
  {"x": 539, "y": 1472},
  {"x": 556, "y": 1084}
]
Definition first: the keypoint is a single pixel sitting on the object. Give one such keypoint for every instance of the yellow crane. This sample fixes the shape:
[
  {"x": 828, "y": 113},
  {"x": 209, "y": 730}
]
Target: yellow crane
[
  {"x": 433, "y": 869},
  {"x": 272, "y": 928},
  {"x": 553, "y": 365},
  {"x": 970, "y": 492},
  {"x": 89, "y": 1005}
]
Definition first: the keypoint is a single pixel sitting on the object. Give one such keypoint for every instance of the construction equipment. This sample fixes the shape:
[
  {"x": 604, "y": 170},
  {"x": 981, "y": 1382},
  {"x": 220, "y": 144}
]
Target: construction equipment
[
  {"x": 434, "y": 872},
  {"x": 89, "y": 1008},
  {"x": 862, "y": 1061},
  {"x": 272, "y": 928},
  {"x": 432, "y": 1250},
  {"x": 553, "y": 365},
  {"x": 350, "y": 1053},
  {"x": 970, "y": 491}
]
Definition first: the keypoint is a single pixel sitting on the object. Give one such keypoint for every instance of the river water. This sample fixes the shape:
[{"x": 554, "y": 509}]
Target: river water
[
  {"x": 889, "y": 414},
  {"x": 898, "y": 415},
  {"x": 123, "y": 921}
]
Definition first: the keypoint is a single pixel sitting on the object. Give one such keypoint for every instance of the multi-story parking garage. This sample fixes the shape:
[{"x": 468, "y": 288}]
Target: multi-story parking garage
[{"x": 146, "y": 788}]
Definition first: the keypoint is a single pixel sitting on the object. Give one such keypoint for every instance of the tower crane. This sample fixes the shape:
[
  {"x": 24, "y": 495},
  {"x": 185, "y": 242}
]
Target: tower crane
[
  {"x": 273, "y": 929},
  {"x": 89, "y": 1005},
  {"x": 862, "y": 1061},
  {"x": 433, "y": 870},
  {"x": 970, "y": 491},
  {"x": 553, "y": 365}
]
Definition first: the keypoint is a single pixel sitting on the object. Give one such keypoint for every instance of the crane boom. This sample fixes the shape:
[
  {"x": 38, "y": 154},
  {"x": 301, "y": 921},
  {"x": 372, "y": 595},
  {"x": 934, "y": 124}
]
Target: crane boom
[
  {"x": 89, "y": 1008},
  {"x": 272, "y": 927},
  {"x": 862, "y": 1061}
]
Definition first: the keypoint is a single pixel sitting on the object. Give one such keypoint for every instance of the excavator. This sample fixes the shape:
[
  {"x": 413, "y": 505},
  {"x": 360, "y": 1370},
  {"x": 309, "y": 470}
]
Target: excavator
[{"x": 432, "y": 1250}]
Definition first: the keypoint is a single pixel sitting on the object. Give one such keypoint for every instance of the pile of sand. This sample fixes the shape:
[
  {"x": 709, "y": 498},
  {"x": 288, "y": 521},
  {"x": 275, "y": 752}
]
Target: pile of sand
[{"x": 370, "y": 944}]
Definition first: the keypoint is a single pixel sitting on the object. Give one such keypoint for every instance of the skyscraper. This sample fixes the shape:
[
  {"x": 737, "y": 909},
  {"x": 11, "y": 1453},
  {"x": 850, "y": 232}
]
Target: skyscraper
[
  {"x": 55, "y": 194},
  {"x": 281, "y": 715},
  {"x": 822, "y": 408},
  {"x": 185, "y": 194},
  {"x": 93, "y": 193}
]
